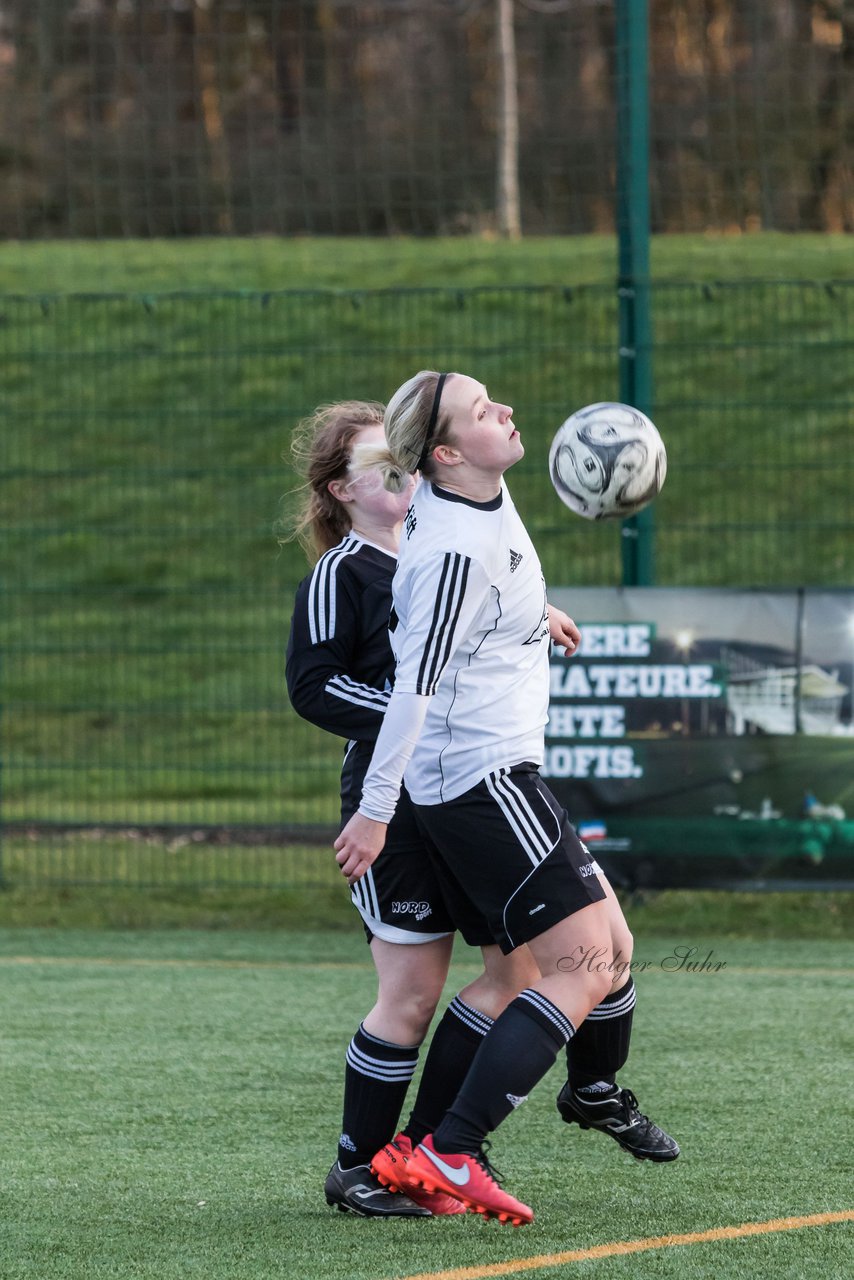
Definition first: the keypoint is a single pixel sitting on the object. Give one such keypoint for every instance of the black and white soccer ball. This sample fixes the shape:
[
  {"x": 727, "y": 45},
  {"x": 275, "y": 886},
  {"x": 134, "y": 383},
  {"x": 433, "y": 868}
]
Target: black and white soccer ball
[{"x": 607, "y": 461}]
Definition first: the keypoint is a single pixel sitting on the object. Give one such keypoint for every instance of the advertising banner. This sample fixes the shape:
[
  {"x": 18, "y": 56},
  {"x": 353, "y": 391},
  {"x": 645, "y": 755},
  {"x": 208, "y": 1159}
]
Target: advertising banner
[{"x": 707, "y": 736}]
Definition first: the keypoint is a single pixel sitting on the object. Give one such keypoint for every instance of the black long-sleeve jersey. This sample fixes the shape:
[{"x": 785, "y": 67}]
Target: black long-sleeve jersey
[
  {"x": 339, "y": 671},
  {"x": 340, "y": 666}
]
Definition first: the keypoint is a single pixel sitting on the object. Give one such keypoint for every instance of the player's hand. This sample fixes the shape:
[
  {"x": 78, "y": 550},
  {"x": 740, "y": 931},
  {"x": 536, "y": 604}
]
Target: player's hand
[
  {"x": 563, "y": 631},
  {"x": 359, "y": 845}
]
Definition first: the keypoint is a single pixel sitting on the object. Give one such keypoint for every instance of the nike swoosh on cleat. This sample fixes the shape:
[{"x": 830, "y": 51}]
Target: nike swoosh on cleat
[{"x": 459, "y": 1177}]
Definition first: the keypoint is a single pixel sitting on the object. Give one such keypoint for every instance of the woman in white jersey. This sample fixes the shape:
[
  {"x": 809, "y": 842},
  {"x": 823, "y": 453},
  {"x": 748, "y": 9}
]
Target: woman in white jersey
[
  {"x": 339, "y": 670},
  {"x": 465, "y": 724}
]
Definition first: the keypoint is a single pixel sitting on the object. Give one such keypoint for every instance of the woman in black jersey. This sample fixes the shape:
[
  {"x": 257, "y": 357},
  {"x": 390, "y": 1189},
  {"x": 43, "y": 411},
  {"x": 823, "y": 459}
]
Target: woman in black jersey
[
  {"x": 339, "y": 672},
  {"x": 465, "y": 723}
]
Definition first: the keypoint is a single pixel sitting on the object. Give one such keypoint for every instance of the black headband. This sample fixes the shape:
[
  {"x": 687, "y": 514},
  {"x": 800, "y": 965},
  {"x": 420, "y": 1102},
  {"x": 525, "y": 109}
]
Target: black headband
[{"x": 434, "y": 414}]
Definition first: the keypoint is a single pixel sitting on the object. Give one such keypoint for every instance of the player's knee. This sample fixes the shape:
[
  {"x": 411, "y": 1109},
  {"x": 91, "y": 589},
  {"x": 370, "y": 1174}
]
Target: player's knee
[
  {"x": 494, "y": 997},
  {"x": 501, "y": 981},
  {"x": 413, "y": 1011},
  {"x": 598, "y": 986},
  {"x": 510, "y": 981},
  {"x": 622, "y": 945},
  {"x": 489, "y": 996}
]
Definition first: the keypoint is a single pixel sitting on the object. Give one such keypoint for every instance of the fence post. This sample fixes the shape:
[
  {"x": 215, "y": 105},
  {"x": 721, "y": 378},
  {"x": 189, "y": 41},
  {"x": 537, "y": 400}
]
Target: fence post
[
  {"x": 800, "y": 617},
  {"x": 635, "y": 324},
  {"x": 2, "y": 762}
]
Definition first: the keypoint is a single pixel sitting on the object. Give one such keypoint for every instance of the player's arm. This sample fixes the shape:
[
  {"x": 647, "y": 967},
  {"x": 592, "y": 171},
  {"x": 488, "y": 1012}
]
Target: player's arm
[
  {"x": 319, "y": 661},
  {"x": 563, "y": 631},
  {"x": 362, "y": 839},
  {"x": 445, "y": 597}
]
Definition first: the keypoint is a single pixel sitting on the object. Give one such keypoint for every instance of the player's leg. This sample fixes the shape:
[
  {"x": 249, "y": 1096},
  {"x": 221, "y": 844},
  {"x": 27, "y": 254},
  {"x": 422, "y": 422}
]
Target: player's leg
[
  {"x": 601, "y": 1045},
  {"x": 520, "y": 863},
  {"x": 383, "y": 1054},
  {"x": 591, "y": 1096},
  {"x": 525, "y": 1040},
  {"x": 380, "y": 1062},
  {"x": 468, "y": 1017},
  {"x": 411, "y": 939},
  {"x": 461, "y": 1029},
  {"x": 410, "y": 981},
  {"x": 460, "y": 1033},
  {"x": 527, "y": 871},
  {"x": 517, "y": 1052}
]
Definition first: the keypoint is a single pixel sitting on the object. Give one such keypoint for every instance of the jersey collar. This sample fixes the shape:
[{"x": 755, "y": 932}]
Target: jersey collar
[
  {"x": 492, "y": 505},
  {"x": 366, "y": 542}
]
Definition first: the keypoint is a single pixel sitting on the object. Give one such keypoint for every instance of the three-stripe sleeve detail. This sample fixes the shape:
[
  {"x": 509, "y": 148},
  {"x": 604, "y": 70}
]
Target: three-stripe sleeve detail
[
  {"x": 361, "y": 695},
  {"x": 446, "y": 612},
  {"x": 321, "y": 594}
]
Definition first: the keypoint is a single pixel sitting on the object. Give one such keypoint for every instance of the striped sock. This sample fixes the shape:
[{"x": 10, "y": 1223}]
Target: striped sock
[
  {"x": 455, "y": 1041},
  {"x": 601, "y": 1045},
  {"x": 514, "y": 1056},
  {"x": 376, "y": 1077}
]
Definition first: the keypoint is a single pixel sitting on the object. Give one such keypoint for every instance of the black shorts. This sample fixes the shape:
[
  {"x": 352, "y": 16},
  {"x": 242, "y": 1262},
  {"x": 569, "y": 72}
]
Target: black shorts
[
  {"x": 400, "y": 899},
  {"x": 505, "y": 851}
]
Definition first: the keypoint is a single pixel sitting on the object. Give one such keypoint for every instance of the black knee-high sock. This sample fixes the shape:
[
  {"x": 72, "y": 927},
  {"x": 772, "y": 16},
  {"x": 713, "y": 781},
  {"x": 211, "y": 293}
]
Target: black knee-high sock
[
  {"x": 515, "y": 1055},
  {"x": 601, "y": 1045},
  {"x": 376, "y": 1078},
  {"x": 455, "y": 1042}
]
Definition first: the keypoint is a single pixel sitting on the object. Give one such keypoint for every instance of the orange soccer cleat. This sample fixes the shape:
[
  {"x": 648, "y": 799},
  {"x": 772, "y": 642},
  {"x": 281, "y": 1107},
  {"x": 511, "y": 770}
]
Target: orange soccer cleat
[
  {"x": 468, "y": 1178},
  {"x": 390, "y": 1167}
]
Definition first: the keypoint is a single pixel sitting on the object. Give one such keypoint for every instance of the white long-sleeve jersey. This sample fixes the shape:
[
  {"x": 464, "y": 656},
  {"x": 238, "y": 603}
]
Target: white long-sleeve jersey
[{"x": 469, "y": 630}]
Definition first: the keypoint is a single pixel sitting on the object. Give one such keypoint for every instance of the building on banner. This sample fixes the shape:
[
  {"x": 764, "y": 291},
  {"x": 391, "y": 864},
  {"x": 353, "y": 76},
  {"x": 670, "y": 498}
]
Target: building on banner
[{"x": 707, "y": 736}]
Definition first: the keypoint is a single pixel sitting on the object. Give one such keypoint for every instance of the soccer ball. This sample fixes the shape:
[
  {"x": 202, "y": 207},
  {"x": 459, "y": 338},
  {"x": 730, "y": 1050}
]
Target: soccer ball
[{"x": 607, "y": 461}]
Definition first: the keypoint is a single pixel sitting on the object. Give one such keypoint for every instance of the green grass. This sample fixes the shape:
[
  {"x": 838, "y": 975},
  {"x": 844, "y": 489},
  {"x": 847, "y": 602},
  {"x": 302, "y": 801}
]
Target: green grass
[
  {"x": 147, "y": 601},
  {"x": 171, "y": 1105},
  {"x": 270, "y": 263},
  {"x": 95, "y": 880}
]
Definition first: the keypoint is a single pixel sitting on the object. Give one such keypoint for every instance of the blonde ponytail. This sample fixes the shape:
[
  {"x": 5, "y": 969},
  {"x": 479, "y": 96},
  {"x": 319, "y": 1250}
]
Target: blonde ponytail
[{"x": 378, "y": 457}]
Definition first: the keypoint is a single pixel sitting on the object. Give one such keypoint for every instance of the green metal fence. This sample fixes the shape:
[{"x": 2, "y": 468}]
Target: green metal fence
[{"x": 145, "y": 733}]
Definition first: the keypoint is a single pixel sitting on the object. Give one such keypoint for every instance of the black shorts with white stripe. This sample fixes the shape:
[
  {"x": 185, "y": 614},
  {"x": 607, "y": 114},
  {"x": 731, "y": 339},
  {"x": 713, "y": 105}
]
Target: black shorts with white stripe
[
  {"x": 506, "y": 851},
  {"x": 400, "y": 899}
]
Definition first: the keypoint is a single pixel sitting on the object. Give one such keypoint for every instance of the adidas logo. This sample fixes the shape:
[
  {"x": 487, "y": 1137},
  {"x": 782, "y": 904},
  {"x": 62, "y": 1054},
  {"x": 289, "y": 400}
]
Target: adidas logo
[
  {"x": 514, "y": 1100},
  {"x": 515, "y": 560}
]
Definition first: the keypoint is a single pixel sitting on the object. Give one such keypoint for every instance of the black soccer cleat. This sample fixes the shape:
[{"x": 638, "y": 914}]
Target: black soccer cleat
[
  {"x": 616, "y": 1113},
  {"x": 359, "y": 1191}
]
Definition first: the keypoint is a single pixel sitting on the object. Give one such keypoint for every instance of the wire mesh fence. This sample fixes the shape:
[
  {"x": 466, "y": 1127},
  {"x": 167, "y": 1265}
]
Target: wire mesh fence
[
  {"x": 188, "y": 117},
  {"x": 146, "y": 600}
]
